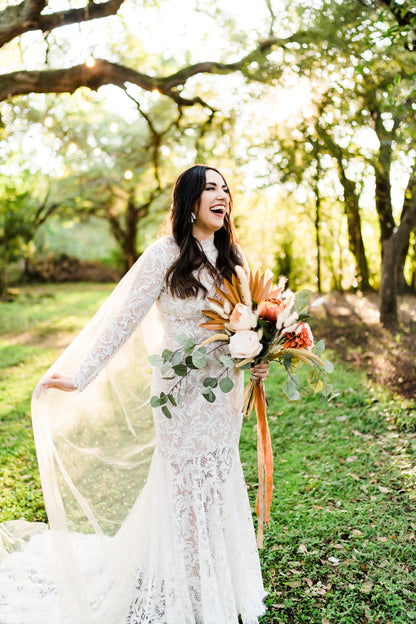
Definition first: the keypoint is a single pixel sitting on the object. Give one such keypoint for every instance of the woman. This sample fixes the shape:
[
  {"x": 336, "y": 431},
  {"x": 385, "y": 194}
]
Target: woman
[{"x": 185, "y": 553}]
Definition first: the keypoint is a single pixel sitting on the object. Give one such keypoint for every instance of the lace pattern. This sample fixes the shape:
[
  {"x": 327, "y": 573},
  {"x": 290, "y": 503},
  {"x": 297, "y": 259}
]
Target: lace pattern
[{"x": 197, "y": 561}]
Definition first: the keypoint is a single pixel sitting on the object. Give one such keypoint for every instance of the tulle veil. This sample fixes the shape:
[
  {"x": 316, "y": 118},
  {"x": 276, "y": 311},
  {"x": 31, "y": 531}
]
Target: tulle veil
[{"x": 94, "y": 451}]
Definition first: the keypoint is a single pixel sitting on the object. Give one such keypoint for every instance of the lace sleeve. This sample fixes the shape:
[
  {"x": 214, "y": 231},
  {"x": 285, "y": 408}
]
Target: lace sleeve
[{"x": 146, "y": 288}]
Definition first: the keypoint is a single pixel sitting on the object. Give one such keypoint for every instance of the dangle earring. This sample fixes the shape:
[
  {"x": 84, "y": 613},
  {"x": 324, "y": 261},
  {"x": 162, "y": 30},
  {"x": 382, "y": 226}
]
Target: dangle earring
[{"x": 193, "y": 217}]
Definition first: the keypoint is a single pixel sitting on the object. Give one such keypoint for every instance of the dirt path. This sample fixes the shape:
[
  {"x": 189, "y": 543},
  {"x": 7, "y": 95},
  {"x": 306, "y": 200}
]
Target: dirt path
[{"x": 349, "y": 324}]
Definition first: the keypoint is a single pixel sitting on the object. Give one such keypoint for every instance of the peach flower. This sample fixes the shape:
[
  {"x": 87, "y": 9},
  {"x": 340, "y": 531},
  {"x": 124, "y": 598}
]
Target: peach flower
[
  {"x": 270, "y": 308},
  {"x": 242, "y": 318}
]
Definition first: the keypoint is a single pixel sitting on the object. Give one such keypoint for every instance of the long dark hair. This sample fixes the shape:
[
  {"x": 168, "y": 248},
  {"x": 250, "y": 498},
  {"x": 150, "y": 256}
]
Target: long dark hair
[{"x": 186, "y": 196}]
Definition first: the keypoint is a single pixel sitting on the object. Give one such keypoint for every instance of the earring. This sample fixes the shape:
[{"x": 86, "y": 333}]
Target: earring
[{"x": 193, "y": 217}]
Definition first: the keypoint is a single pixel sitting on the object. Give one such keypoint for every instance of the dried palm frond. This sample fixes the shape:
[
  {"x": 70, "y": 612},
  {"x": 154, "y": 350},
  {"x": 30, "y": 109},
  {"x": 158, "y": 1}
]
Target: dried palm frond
[{"x": 260, "y": 286}]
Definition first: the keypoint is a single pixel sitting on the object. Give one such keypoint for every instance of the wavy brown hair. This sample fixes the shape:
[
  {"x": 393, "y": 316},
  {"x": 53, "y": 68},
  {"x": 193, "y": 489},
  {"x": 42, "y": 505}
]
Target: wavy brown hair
[{"x": 180, "y": 277}]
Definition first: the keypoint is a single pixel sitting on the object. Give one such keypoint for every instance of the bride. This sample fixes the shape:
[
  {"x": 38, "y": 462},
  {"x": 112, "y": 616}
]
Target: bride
[{"x": 143, "y": 534}]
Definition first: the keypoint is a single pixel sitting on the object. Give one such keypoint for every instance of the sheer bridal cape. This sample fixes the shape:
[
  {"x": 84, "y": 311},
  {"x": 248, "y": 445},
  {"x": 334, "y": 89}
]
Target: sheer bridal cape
[{"x": 138, "y": 532}]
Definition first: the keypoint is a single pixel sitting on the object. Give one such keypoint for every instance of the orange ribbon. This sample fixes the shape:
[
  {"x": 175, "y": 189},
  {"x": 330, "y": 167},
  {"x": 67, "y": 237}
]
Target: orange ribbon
[{"x": 265, "y": 462}]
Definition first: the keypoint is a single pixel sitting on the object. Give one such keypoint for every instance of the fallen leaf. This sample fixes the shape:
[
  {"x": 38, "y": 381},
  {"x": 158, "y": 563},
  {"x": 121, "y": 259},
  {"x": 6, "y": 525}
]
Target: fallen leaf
[
  {"x": 367, "y": 586},
  {"x": 278, "y": 606},
  {"x": 334, "y": 560},
  {"x": 383, "y": 490},
  {"x": 302, "y": 548},
  {"x": 353, "y": 476},
  {"x": 308, "y": 581},
  {"x": 294, "y": 583},
  {"x": 357, "y": 533}
]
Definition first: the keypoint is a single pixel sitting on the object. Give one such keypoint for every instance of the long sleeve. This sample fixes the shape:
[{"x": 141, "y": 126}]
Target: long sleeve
[{"x": 148, "y": 282}]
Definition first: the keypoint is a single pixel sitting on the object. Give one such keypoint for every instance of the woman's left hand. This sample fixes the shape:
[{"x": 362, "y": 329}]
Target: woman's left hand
[{"x": 259, "y": 371}]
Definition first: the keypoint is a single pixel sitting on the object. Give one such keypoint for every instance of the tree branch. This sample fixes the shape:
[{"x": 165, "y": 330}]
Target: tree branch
[
  {"x": 103, "y": 72},
  {"x": 404, "y": 13},
  {"x": 26, "y": 16}
]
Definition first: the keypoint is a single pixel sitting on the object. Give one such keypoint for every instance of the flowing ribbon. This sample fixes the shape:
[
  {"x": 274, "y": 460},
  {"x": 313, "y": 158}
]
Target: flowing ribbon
[{"x": 265, "y": 461}]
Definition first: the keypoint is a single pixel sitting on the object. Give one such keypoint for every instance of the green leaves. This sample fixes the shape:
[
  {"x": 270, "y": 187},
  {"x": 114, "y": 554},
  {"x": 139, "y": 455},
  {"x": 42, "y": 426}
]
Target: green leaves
[
  {"x": 210, "y": 382},
  {"x": 181, "y": 370},
  {"x": 161, "y": 401},
  {"x": 226, "y": 384},
  {"x": 208, "y": 394},
  {"x": 156, "y": 360},
  {"x": 290, "y": 388},
  {"x": 227, "y": 360},
  {"x": 198, "y": 357},
  {"x": 302, "y": 299}
]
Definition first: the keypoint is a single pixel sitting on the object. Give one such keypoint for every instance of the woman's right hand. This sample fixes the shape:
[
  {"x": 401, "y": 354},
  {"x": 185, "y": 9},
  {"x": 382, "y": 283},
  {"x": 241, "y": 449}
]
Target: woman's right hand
[{"x": 56, "y": 380}]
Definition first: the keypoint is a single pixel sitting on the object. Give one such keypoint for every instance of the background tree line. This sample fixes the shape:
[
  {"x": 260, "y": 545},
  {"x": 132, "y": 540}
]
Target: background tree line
[{"x": 310, "y": 110}]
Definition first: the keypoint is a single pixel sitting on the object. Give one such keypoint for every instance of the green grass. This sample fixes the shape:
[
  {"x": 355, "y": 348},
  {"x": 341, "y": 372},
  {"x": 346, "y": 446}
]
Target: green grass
[
  {"x": 341, "y": 543},
  {"x": 340, "y": 548}
]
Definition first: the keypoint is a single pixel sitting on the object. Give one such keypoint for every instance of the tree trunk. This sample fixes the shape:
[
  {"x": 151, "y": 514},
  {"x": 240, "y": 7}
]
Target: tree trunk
[
  {"x": 391, "y": 250},
  {"x": 352, "y": 211},
  {"x": 318, "y": 225},
  {"x": 410, "y": 194},
  {"x": 356, "y": 242}
]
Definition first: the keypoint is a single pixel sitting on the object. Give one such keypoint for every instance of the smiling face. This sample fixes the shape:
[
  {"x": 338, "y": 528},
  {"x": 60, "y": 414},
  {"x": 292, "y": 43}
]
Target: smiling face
[{"x": 214, "y": 203}]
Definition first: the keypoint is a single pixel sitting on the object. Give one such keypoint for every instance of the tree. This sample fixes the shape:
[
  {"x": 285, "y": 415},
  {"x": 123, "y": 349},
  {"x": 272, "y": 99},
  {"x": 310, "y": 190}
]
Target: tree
[
  {"x": 370, "y": 89},
  {"x": 16, "y": 229},
  {"x": 29, "y": 15}
]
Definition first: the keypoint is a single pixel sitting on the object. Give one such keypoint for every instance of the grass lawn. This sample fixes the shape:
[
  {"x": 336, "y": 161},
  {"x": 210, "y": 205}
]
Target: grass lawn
[{"x": 341, "y": 544}]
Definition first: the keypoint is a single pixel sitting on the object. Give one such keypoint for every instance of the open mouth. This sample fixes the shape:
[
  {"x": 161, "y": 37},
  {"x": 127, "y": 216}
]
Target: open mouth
[{"x": 218, "y": 210}]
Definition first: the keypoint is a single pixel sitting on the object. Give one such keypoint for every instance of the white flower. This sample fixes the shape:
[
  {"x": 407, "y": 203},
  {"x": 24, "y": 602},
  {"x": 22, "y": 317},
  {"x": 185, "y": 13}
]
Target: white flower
[
  {"x": 245, "y": 344},
  {"x": 287, "y": 317},
  {"x": 242, "y": 318}
]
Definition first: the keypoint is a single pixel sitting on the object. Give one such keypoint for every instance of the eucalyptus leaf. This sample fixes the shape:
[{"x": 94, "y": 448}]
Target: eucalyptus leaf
[
  {"x": 189, "y": 346},
  {"x": 198, "y": 359},
  {"x": 302, "y": 299},
  {"x": 156, "y": 360},
  {"x": 209, "y": 395},
  {"x": 155, "y": 401},
  {"x": 165, "y": 368},
  {"x": 226, "y": 384},
  {"x": 329, "y": 367},
  {"x": 180, "y": 369},
  {"x": 167, "y": 354},
  {"x": 181, "y": 339},
  {"x": 172, "y": 399},
  {"x": 291, "y": 390},
  {"x": 166, "y": 411},
  {"x": 177, "y": 358},
  {"x": 227, "y": 361},
  {"x": 210, "y": 382},
  {"x": 319, "y": 348},
  {"x": 189, "y": 363}
]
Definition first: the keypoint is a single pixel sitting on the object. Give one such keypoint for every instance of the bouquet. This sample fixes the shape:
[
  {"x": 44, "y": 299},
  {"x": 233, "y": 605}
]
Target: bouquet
[{"x": 259, "y": 323}]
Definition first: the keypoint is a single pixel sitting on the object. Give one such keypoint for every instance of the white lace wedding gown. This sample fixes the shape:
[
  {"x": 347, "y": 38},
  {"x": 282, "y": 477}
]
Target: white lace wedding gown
[{"x": 187, "y": 550}]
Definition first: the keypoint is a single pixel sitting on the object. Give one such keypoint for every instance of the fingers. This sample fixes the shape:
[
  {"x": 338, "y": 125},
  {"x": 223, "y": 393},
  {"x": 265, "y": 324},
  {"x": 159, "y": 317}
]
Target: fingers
[
  {"x": 55, "y": 380},
  {"x": 260, "y": 371}
]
